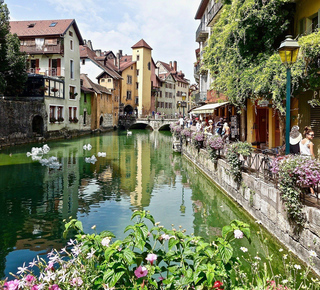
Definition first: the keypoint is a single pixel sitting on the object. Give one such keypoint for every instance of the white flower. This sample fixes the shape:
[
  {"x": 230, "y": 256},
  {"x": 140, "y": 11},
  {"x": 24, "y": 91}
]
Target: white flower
[
  {"x": 284, "y": 281},
  {"x": 33, "y": 263},
  {"x": 71, "y": 242},
  {"x": 244, "y": 249},
  {"x": 313, "y": 254},
  {"x": 165, "y": 237},
  {"x": 298, "y": 267},
  {"x": 257, "y": 258},
  {"x": 90, "y": 255},
  {"x": 105, "y": 242},
  {"x": 238, "y": 234},
  {"x": 285, "y": 257},
  {"x": 280, "y": 250},
  {"x": 93, "y": 227},
  {"x": 22, "y": 269},
  {"x": 76, "y": 250}
]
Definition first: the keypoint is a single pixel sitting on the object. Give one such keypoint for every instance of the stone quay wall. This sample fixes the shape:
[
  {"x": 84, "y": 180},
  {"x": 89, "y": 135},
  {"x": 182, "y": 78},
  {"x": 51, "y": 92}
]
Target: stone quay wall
[{"x": 263, "y": 202}]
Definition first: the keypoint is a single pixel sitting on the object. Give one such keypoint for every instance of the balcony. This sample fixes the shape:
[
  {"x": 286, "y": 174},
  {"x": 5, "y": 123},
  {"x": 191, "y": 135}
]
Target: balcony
[
  {"x": 212, "y": 15},
  {"x": 49, "y": 72},
  {"x": 44, "y": 49},
  {"x": 202, "y": 32}
]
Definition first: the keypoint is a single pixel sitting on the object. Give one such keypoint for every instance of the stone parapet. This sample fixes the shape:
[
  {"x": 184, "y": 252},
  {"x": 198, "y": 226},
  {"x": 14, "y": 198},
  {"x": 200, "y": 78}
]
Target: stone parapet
[{"x": 263, "y": 202}]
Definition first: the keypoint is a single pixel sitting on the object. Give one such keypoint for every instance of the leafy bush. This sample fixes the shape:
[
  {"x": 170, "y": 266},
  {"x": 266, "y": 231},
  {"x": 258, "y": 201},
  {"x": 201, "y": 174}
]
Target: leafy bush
[{"x": 153, "y": 257}]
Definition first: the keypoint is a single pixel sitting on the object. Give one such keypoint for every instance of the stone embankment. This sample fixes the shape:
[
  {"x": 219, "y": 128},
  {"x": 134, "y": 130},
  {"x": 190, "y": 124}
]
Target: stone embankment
[{"x": 263, "y": 202}]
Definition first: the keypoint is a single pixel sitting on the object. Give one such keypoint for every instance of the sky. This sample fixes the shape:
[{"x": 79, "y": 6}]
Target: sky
[{"x": 168, "y": 26}]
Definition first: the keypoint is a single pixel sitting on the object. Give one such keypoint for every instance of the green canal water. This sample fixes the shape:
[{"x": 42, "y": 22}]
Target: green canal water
[{"x": 139, "y": 172}]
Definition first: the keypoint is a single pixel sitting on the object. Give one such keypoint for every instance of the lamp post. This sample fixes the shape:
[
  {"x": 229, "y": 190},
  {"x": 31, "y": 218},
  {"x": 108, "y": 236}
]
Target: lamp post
[
  {"x": 288, "y": 52},
  {"x": 183, "y": 103}
]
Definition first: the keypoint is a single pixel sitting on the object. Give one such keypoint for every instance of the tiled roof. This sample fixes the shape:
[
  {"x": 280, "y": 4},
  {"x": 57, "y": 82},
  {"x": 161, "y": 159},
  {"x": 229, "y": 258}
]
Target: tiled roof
[
  {"x": 36, "y": 28},
  {"x": 87, "y": 83},
  {"x": 166, "y": 66},
  {"x": 201, "y": 9},
  {"x": 86, "y": 52},
  {"x": 141, "y": 43}
]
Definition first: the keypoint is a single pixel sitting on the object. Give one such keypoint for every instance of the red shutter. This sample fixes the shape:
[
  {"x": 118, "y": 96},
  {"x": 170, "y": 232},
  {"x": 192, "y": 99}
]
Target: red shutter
[{"x": 37, "y": 63}]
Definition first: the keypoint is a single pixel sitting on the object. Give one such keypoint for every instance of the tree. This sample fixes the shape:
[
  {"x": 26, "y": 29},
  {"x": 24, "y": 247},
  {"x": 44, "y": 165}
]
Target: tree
[{"x": 13, "y": 73}]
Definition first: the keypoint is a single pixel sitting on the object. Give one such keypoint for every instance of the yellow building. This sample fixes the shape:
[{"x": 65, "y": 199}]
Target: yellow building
[{"x": 141, "y": 54}]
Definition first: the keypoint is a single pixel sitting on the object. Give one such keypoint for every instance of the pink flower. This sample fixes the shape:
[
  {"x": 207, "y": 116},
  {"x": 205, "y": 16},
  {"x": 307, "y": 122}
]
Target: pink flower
[
  {"x": 151, "y": 258},
  {"x": 54, "y": 287},
  {"x": 238, "y": 234},
  {"x": 165, "y": 237},
  {"x": 141, "y": 272},
  {"x": 30, "y": 279},
  {"x": 12, "y": 285},
  {"x": 76, "y": 281}
]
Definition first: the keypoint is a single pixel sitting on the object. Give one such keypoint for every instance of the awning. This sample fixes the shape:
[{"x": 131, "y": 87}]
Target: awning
[{"x": 208, "y": 108}]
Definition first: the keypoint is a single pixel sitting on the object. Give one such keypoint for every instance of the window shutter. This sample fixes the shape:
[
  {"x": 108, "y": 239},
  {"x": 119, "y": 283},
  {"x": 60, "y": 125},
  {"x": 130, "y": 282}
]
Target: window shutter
[{"x": 58, "y": 66}]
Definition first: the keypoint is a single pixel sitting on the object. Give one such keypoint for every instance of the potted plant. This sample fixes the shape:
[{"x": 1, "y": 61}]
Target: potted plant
[
  {"x": 198, "y": 138},
  {"x": 214, "y": 145},
  {"x": 186, "y": 134},
  {"x": 75, "y": 120},
  {"x": 60, "y": 119},
  {"x": 54, "y": 90}
]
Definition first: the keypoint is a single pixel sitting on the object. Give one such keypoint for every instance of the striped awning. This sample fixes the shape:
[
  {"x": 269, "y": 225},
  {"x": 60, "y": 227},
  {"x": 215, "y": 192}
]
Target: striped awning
[{"x": 208, "y": 108}]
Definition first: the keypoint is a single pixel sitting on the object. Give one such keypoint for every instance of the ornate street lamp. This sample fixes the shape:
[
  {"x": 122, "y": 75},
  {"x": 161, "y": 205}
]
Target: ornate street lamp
[{"x": 288, "y": 52}]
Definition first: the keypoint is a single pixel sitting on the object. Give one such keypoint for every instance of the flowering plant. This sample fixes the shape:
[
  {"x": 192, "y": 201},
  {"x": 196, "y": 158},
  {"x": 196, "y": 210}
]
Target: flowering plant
[
  {"x": 148, "y": 258},
  {"x": 215, "y": 142},
  {"x": 295, "y": 172},
  {"x": 186, "y": 133},
  {"x": 175, "y": 129},
  {"x": 154, "y": 257}
]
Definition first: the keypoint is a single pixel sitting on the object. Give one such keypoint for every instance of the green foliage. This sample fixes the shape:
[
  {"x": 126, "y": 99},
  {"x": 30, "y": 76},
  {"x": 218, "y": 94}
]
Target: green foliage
[
  {"x": 242, "y": 52},
  {"x": 12, "y": 62},
  {"x": 234, "y": 152},
  {"x": 154, "y": 257}
]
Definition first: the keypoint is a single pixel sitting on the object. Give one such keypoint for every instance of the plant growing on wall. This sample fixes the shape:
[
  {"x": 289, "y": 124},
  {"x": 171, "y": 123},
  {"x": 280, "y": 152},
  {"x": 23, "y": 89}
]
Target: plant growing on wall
[
  {"x": 295, "y": 173},
  {"x": 234, "y": 152},
  {"x": 243, "y": 53}
]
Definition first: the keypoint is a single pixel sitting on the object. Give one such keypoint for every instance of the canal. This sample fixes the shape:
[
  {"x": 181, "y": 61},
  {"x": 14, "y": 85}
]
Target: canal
[{"x": 137, "y": 172}]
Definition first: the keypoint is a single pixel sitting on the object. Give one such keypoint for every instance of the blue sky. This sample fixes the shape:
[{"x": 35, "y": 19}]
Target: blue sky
[{"x": 168, "y": 26}]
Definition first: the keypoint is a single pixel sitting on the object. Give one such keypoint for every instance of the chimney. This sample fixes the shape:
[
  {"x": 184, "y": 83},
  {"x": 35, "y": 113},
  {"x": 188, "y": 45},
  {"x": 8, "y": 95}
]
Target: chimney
[
  {"x": 118, "y": 58},
  {"x": 170, "y": 64},
  {"x": 98, "y": 52},
  {"x": 89, "y": 44},
  {"x": 115, "y": 60},
  {"x": 120, "y": 52},
  {"x": 175, "y": 65},
  {"x": 84, "y": 41}
]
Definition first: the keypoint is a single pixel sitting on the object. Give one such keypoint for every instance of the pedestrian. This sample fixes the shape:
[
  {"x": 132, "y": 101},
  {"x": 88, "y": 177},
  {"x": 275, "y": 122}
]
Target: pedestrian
[
  {"x": 306, "y": 147},
  {"x": 225, "y": 132},
  {"x": 198, "y": 126},
  {"x": 294, "y": 140},
  {"x": 219, "y": 126}
]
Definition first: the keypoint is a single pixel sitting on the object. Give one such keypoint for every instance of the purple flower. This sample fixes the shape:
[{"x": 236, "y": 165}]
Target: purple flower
[
  {"x": 141, "y": 272},
  {"x": 54, "y": 287},
  {"x": 215, "y": 142}
]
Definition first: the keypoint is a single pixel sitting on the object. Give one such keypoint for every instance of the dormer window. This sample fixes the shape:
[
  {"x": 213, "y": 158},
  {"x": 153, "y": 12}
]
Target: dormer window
[
  {"x": 31, "y": 25},
  {"x": 53, "y": 24}
]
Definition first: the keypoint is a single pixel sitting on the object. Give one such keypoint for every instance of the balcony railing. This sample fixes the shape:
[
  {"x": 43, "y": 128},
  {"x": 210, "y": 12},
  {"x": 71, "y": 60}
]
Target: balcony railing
[
  {"x": 52, "y": 72},
  {"x": 202, "y": 32},
  {"x": 44, "y": 49},
  {"x": 213, "y": 12}
]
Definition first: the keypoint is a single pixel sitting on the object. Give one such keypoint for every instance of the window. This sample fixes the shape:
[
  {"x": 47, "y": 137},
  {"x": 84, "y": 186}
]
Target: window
[
  {"x": 84, "y": 117},
  {"x": 166, "y": 105},
  {"x": 166, "y": 95},
  {"x": 71, "y": 69},
  {"x": 160, "y": 94},
  {"x": 314, "y": 23},
  {"x": 53, "y": 24},
  {"x": 149, "y": 65},
  {"x": 72, "y": 93},
  {"x": 71, "y": 33},
  {"x": 137, "y": 72},
  {"x": 129, "y": 80},
  {"x": 137, "y": 101},
  {"x": 138, "y": 57},
  {"x": 85, "y": 98},
  {"x": 60, "y": 112},
  {"x": 72, "y": 114},
  {"x": 128, "y": 95},
  {"x": 83, "y": 62},
  {"x": 137, "y": 85},
  {"x": 52, "y": 112},
  {"x": 71, "y": 44}
]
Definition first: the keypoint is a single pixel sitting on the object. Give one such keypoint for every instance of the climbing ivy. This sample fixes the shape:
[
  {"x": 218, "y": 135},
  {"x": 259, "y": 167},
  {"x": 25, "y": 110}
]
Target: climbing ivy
[{"x": 242, "y": 52}]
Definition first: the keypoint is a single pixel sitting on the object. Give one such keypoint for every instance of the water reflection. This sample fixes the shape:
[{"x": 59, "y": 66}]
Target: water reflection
[{"x": 138, "y": 172}]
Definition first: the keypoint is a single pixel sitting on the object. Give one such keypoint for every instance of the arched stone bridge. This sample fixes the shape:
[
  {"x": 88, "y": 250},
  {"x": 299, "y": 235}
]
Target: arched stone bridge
[{"x": 154, "y": 124}]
